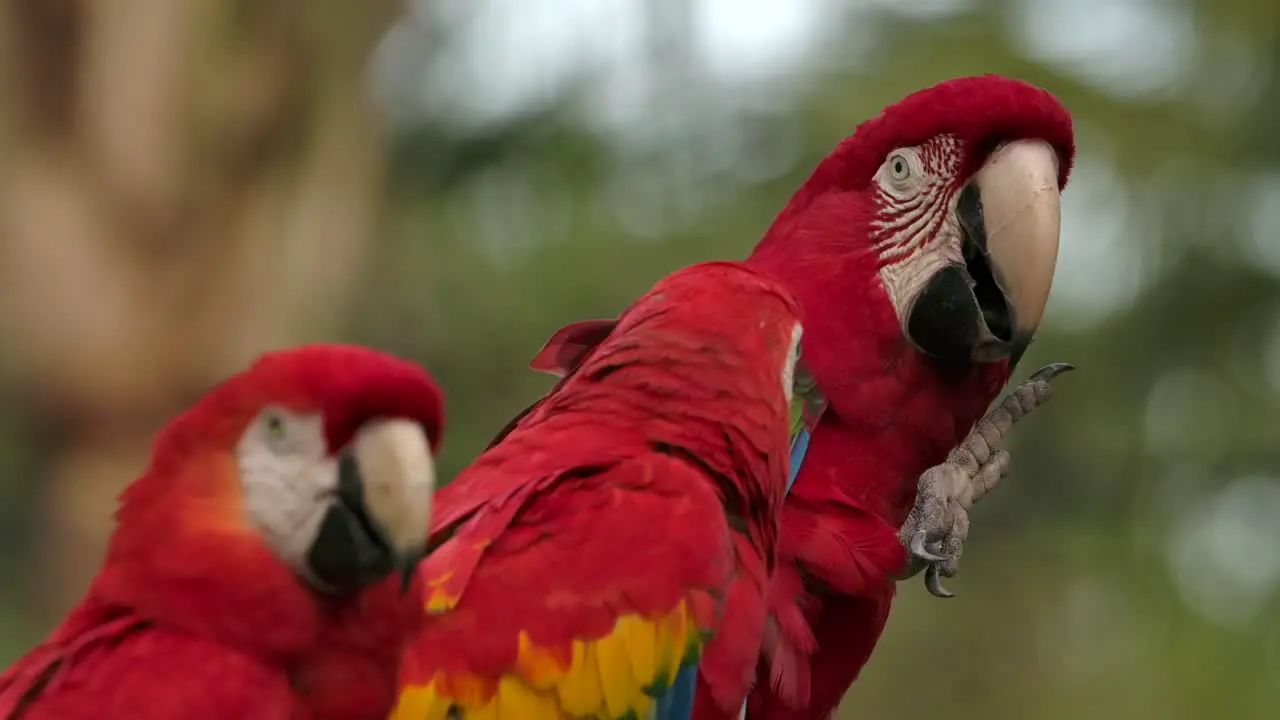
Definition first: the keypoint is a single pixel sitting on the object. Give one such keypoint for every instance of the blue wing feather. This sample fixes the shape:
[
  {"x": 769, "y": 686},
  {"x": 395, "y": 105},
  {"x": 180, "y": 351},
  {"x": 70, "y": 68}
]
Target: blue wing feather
[
  {"x": 677, "y": 702},
  {"x": 799, "y": 447}
]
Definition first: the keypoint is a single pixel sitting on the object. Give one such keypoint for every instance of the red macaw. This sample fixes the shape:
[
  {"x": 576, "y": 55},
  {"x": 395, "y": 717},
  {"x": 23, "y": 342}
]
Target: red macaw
[
  {"x": 922, "y": 250},
  {"x": 626, "y": 528},
  {"x": 249, "y": 574}
]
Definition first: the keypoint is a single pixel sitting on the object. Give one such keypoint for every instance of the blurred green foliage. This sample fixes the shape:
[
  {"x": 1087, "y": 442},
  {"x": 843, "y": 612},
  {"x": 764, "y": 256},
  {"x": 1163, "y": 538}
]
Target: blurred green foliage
[{"x": 1126, "y": 570}]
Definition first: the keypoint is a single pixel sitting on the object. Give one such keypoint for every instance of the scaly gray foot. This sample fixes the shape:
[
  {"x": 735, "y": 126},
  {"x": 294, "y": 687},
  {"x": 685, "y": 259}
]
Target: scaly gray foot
[{"x": 938, "y": 525}]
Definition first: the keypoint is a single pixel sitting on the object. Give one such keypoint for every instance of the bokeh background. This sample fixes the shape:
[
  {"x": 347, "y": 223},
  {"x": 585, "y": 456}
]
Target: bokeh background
[{"x": 185, "y": 183}]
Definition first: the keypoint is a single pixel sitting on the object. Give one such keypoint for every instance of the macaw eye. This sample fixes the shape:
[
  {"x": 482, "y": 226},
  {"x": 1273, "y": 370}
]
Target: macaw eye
[
  {"x": 274, "y": 425},
  {"x": 899, "y": 167}
]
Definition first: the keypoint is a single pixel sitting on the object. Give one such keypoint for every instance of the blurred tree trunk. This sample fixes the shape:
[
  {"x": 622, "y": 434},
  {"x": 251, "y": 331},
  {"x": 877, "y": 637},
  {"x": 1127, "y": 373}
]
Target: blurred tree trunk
[{"x": 185, "y": 183}]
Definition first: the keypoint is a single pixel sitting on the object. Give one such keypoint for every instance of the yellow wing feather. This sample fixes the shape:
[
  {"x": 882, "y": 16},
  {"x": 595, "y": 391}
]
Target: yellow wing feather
[
  {"x": 641, "y": 645},
  {"x": 613, "y": 677}
]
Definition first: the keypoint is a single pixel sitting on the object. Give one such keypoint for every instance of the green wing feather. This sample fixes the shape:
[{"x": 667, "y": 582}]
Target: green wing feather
[{"x": 807, "y": 401}]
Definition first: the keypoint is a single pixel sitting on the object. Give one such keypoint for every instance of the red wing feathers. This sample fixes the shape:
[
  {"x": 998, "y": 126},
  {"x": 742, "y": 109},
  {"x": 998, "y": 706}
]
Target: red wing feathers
[
  {"x": 561, "y": 355},
  {"x": 566, "y": 349},
  {"x": 582, "y": 595},
  {"x": 125, "y": 669}
]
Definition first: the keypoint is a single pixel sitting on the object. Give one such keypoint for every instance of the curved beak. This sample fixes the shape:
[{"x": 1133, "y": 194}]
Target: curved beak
[
  {"x": 988, "y": 305},
  {"x": 1021, "y": 216},
  {"x": 378, "y": 521}
]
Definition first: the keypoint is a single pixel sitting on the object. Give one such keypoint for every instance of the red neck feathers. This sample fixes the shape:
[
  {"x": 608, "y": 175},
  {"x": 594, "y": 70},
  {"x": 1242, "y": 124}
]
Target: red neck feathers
[
  {"x": 184, "y": 556},
  {"x": 896, "y": 412}
]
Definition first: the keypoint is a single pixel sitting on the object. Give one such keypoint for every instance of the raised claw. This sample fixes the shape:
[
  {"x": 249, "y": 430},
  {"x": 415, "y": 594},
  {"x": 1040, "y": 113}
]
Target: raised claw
[
  {"x": 1051, "y": 371},
  {"x": 933, "y": 583},
  {"x": 920, "y": 551}
]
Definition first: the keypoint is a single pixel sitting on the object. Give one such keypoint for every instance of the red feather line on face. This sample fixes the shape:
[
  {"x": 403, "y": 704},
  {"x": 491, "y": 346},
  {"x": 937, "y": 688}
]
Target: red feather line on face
[{"x": 980, "y": 111}]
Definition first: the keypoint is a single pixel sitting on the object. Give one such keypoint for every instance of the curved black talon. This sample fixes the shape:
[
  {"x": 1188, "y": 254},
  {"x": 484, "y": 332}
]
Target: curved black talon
[
  {"x": 919, "y": 550},
  {"x": 1051, "y": 371},
  {"x": 933, "y": 583}
]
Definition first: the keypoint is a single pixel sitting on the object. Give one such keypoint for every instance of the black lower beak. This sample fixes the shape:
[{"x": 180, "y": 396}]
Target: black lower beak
[
  {"x": 1019, "y": 349},
  {"x": 963, "y": 316},
  {"x": 350, "y": 551}
]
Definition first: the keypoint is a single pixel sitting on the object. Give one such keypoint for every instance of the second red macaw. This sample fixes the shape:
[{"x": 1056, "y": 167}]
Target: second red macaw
[{"x": 610, "y": 558}]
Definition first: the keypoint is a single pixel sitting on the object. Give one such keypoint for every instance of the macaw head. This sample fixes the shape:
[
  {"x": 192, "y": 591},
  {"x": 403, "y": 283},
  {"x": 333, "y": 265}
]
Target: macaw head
[
  {"x": 937, "y": 222},
  {"x": 309, "y": 473}
]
